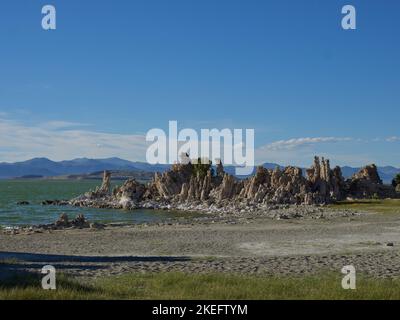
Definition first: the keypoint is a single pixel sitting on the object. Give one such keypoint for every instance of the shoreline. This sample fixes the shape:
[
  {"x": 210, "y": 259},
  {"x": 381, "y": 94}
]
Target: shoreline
[
  {"x": 248, "y": 245},
  {"x": 201, "y": 214}
]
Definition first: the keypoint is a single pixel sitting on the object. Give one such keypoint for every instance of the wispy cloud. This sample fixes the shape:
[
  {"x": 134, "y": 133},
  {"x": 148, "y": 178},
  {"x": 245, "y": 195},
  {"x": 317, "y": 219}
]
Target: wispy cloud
[
  {"x": 392, "y": 139},
  {"x": 299, "y": 142},
  {"x": 300, "y": 151},
  {"x": 57, "y": 125},
  {"x": 61, "y": 140}
]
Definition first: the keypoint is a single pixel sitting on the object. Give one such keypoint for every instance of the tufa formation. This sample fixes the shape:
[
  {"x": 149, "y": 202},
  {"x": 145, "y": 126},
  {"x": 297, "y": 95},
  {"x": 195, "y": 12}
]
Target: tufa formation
[{"x": 189, "y": 183}]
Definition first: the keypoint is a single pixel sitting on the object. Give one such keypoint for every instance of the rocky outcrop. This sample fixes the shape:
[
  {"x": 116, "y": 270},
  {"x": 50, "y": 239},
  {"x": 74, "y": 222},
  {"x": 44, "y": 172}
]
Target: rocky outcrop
[
  {"x": 326, "y": 185},
  {"x": 169, "y": 184},
  {"x": 55, "y": 203},
  {"x": 183, "y": 183},
  {"x": 129, "y": 194},
  {"x": 227, "y": 189},
  {"x": 368, "y": 173},
  {"x": 64, "y": 222},
  {"x": 198, "y": 184},
  {"x": 80, "y": 222},
  {"x": 23, "y": 203},
  {"x": 106, "y": 185},
  {"x": 220, "y": 169},
  {"x": 367, "y": 184},
  {"x": 275, "y": 186},
  {"x": 103, "y": 190}
]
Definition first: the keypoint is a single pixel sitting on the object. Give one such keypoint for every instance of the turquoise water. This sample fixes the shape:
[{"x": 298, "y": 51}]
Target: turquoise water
[{"x": 35, "y": 191}]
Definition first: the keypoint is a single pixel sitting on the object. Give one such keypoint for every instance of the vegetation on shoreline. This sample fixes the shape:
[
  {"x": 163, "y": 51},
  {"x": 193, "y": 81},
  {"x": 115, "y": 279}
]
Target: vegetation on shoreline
[
  {"x": 396, "y": 180},
  {"x": 375, "y": 206},
  {"x": 200, "y": 286}
]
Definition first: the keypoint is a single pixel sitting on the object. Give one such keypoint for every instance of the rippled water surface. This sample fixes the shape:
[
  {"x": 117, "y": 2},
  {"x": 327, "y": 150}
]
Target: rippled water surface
[{"x": 35, "y": 191}]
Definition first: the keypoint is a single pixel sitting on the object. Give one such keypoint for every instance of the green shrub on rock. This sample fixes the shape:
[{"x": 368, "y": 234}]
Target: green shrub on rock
[
  {"x": 396, "y": 181},
  {"x": 201, "y": 167}
]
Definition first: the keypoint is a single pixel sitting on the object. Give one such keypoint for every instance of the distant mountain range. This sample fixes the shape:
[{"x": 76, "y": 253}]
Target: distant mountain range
[{"x": 46, "y": 168}]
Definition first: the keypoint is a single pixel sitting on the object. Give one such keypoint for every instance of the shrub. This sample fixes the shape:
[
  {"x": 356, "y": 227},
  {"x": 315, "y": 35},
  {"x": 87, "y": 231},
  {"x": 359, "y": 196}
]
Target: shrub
[
  {"x": 375, "y": 196},
  {"x": 396, "y": 180},
  {"x": 201, "y": 167}
]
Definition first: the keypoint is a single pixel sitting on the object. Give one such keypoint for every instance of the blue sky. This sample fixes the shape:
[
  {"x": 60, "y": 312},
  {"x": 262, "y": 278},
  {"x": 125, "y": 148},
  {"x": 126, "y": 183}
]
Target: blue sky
[{"x": 115, "y": 69}]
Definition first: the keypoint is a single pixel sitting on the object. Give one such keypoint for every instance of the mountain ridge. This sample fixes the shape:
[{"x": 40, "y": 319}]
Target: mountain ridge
[{"x": 48, "y": 168}]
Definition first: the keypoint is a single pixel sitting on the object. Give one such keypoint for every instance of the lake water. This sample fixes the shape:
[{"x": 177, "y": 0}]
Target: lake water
[{"x": 35, "y": 191}]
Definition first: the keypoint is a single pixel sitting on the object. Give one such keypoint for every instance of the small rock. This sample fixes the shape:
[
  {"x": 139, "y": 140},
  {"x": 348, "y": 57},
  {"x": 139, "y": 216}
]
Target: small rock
[
  {"x": 47, "y": 202},
  {"x": 62, "y": 221},
  {"x": 96, "y": 226},
  {"x": 80, "y": 221},
  {"x": 390, "y": 244}
]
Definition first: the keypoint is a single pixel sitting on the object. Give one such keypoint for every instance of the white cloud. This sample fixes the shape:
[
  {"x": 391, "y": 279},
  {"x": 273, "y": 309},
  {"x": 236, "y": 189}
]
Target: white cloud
[
  {"x": 393, "y": 139},
  {"x": 300, "y": 151},
  {"x": 299, "y": 142},
  {"x": 60, "y": 140},
  {"x": 62, "y": 125}
]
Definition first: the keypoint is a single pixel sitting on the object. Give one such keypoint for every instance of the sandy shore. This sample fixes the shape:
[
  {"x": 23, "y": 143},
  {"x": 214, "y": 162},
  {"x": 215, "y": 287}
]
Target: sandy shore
[{"x": 370, "y": 242}]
